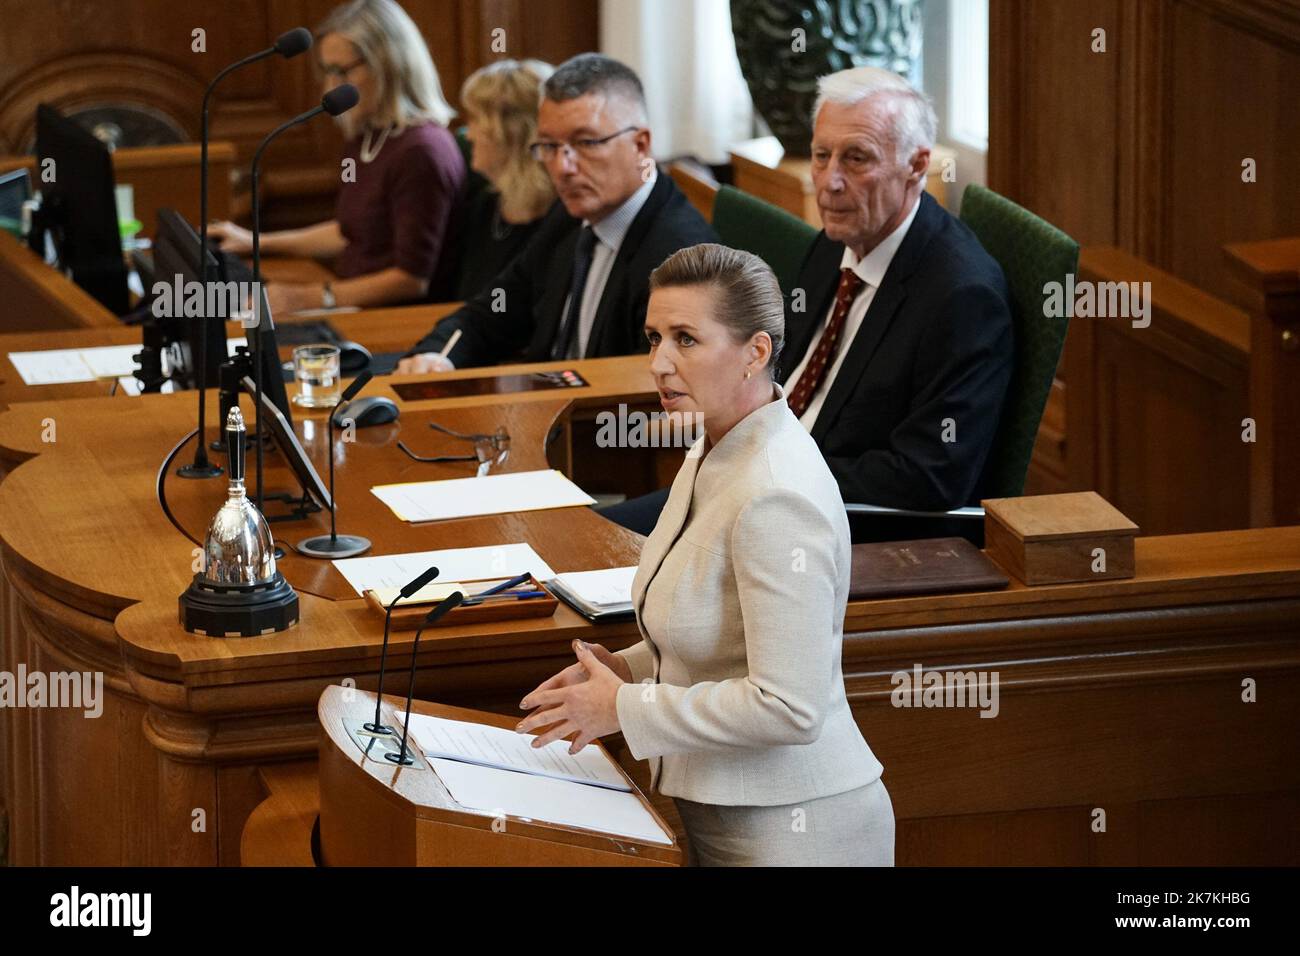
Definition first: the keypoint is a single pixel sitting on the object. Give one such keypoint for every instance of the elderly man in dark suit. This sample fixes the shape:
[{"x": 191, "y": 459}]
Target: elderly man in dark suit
[
  {"x": 899, "y": 328},
  {"x": 580, "y": 287}
]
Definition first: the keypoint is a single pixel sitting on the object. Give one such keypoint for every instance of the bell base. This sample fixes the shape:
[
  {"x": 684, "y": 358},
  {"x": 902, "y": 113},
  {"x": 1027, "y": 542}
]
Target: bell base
[
  {"x": 238, "y": 610},
  {"x": 200, "y": 471},
  {"x": 342, "y": 546}
]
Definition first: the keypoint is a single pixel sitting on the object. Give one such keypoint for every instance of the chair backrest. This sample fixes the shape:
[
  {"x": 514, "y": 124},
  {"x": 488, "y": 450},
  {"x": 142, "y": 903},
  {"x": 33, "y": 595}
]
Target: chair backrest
[
  {"x": 702, "y": 192},
  {"x": 781, "y": 240},
  {"x": 1032, "y": 252}
]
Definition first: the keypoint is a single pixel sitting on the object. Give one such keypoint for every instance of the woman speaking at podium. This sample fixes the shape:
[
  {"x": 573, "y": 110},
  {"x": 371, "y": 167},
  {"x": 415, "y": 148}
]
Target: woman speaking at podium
[
  {"x": 399, "y": 208},
  {"x": 735, "y": 693}
]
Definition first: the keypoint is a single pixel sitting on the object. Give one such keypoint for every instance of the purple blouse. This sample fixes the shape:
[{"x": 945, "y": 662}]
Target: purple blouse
[{"x": 404, "y": 209}]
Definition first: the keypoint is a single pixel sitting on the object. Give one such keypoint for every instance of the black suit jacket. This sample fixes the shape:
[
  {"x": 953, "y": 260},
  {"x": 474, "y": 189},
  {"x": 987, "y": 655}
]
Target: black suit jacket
[
  {"x": 518, "y": 315},
  {"x": 935, "y": 344}
]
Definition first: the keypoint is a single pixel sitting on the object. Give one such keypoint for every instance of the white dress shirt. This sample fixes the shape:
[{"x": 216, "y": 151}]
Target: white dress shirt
[
  {"x": 871, "y": 270},
  {"x": 610, "y": 233}
]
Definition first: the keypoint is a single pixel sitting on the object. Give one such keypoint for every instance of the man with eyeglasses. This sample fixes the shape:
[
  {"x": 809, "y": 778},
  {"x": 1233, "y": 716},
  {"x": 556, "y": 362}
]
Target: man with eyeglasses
[{"x": 580, "y": 287}]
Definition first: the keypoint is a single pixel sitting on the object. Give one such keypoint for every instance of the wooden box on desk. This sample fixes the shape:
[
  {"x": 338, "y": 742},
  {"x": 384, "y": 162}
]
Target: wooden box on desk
[
  {"x": 1053, "y": 539},
  {"x": 375, "y": 814}
]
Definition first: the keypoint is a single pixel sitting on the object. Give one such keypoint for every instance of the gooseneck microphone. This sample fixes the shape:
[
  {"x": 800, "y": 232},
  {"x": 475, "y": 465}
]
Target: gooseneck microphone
[
  {"x": 334, "y": 545},
  {"x": 288, "y": 45},
  {"x": 406, "y": 592},
  {"x": 337, "y": 101},
  {"x": 446, "y": 604}
]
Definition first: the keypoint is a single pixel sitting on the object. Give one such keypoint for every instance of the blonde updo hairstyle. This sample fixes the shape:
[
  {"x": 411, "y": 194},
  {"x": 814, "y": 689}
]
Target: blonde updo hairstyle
[{"x": 746, "y": 292}]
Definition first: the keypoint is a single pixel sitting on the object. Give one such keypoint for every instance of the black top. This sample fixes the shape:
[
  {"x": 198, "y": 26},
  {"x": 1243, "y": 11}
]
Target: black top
[
  {"x": 518, "y": 315},
  {"x": 489, "y": 243},
  {"x": 935, "y": 345}
]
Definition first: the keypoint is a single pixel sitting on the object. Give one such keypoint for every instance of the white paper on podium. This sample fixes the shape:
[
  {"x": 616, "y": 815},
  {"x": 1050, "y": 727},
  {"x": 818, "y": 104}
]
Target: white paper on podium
[
  {"x": 453, "y": 564},
  {"x": 490, "y": 495},
  {"x": 488, "y": 746},
  {"x": 492, "y": 791}
]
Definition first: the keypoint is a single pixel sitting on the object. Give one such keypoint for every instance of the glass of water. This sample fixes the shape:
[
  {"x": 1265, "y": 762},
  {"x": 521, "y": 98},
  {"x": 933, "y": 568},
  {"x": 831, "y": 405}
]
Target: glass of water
[{"x": 316, "y": 367}]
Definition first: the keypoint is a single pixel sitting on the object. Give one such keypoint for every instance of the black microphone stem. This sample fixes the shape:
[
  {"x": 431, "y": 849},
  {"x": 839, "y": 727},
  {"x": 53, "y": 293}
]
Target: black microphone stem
[
  {"x": 257, "y": 282},
  {"x": 334, "y": 535},
  {"x": 201, "y": 466}
]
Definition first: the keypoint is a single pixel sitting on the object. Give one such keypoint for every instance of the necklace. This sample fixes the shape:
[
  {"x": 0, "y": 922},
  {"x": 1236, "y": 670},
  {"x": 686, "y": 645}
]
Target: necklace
[{"x": 368, "y": 154}]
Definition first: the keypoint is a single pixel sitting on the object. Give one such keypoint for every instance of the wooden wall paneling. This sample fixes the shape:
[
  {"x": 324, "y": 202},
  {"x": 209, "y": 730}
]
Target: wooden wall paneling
[
  {"x": 1169, "y": 449},
  {"x": 1155, "y": 413},
  {"x": 1142, "y": 146},
  {"x": 1052, "y": 119},
  {"x": 1268, "y": 286},
  {"x": 1236, "y": 96}
]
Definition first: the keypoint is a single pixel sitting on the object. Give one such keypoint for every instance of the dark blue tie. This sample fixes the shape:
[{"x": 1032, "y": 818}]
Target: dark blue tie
[{"x": 581, "y": 266}]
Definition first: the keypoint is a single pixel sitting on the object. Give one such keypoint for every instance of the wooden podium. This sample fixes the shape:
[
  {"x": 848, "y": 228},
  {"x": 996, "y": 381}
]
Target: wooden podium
[{"x": 373, "y": 813}]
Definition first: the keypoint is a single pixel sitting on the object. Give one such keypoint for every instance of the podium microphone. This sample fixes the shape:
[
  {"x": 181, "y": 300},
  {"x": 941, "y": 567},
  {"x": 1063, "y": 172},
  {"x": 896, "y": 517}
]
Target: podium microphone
[
  {"x": 406, "y": 592},
  {"x": 335, "y": 545},
  {"x": 287, "y": 45},
  {"x": 337, "y": 101},
  {"x": 401, "y": 758}
]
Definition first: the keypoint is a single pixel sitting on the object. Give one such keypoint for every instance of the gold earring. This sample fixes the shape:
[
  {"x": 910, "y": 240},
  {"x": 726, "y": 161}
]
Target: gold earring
[{"x": 746, "y": 373}]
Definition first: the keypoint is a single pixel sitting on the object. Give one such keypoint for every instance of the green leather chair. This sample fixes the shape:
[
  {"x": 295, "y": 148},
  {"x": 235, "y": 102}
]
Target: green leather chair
[
  {"x": 778, "y": 238},
  {"x": 1031, "y": 252}
]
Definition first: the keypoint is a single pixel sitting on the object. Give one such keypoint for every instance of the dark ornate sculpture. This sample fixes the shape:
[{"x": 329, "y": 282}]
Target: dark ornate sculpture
[{"x": 784, "y": 46}]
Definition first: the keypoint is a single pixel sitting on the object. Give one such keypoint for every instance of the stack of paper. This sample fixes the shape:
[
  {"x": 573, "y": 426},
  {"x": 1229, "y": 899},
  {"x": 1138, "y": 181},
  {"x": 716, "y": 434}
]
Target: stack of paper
[
  {"x": 504, "y": 749},
  {"x": 597, "y": 595},
  {"x": 490, "y": 495},
  {"x": 497, "y": 771}
]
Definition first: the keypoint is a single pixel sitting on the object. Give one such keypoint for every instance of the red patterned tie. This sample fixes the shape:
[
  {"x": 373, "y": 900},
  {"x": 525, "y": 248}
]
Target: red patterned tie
[{"x": 824, "y": 356}]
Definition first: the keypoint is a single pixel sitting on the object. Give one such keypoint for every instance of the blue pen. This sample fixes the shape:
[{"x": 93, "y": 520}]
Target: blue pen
[
  {"x": 503, "y": 586},
  {"x": 512, "y": 594}
]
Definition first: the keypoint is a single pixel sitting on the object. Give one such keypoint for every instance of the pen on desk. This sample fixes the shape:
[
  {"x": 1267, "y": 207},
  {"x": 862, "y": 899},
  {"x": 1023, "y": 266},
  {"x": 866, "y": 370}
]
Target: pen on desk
[
  {"x": 514, "y": 582},
  {"x": 517, "y": 595},
  {"x": 451, "y": 343}
]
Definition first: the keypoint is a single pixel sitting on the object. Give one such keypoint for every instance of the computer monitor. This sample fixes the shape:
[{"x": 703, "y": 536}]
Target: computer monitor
[
  {"x": 79, "y": 207},
  {"x": 15, "y": 189},
  {"x": 176, "y": 252}
]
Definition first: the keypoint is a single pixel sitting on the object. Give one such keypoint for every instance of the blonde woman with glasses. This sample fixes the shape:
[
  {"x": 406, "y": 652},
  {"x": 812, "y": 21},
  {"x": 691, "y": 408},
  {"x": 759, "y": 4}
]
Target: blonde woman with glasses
[
  {"x": 500, "y": 103},
  {"x": 397, "y": 222}
]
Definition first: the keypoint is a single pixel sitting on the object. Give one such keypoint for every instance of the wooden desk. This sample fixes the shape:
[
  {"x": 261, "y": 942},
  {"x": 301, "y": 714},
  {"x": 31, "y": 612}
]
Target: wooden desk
[{"x": 35, "y": 297}]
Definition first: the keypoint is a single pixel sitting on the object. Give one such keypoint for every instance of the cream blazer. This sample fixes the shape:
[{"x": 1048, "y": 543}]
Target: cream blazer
[{"x": 737, "y": 695}]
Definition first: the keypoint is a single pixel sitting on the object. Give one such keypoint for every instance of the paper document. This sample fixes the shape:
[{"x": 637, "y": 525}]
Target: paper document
[
  {"x": 454, "y": 564},
  {"x": 429, "y": 594},
  {"x": 490, "y": 495},
  {"x": 491, "y": 791},
  {"x": 609, "y": 589},
  {"x": 61, "y": 366},
  {"x": 504, "y": 749}
]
